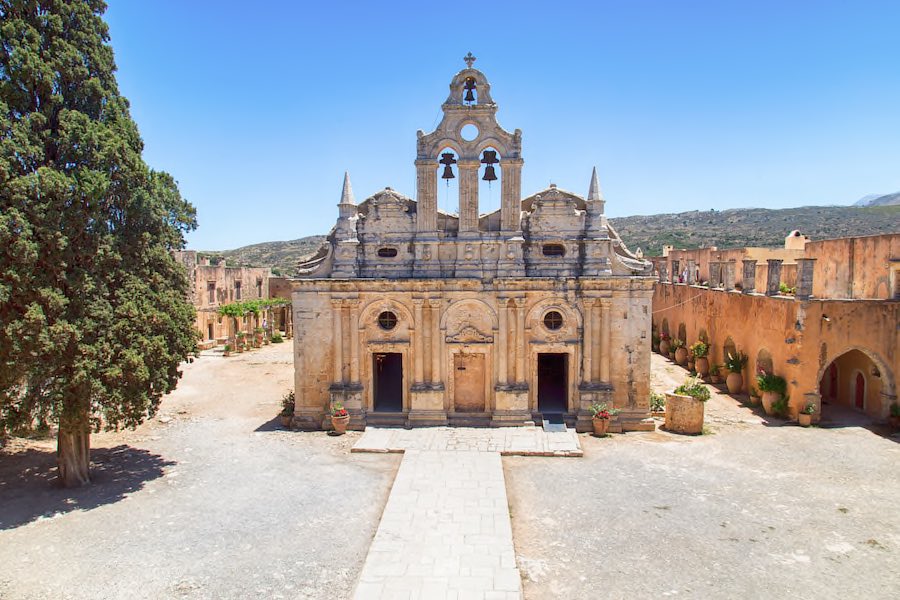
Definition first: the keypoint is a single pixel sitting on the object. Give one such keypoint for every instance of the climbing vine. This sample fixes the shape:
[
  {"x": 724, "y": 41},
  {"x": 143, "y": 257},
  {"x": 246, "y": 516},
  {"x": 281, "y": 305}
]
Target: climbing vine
[{"x": 253, "y": 306}]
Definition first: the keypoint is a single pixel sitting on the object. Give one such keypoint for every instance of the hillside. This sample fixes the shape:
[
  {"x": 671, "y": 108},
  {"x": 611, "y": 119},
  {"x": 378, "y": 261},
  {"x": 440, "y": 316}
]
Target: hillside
[
  {"x": 725, "y": 229},
  {"x": 753, "y": 226},
  {"x": 879, "y": 200}
]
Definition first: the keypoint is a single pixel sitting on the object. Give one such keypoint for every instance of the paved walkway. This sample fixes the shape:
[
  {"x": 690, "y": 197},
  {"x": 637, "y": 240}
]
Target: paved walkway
[
  {"x": 445, "y": 532},
  {"x": 508, "y": 441}
]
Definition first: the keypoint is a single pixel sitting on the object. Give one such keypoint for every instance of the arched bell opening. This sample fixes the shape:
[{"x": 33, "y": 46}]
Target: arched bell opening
[
  {"x": 852, "y": 385},
  {"x": 489, "y": 186},
  {"x": 447, "y": 173}
]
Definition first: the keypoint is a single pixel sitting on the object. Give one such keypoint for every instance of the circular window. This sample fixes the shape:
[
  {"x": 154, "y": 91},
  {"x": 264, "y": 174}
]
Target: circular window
[
  {"x": 553, "y": 320},
  {"x": 387, "y": 320},
  {"x": 469, "y": 132}
]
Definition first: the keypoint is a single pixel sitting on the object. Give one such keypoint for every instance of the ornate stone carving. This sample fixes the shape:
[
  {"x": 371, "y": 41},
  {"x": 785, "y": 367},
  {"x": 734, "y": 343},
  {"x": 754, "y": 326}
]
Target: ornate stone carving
[{"x": 469, "y": 335}]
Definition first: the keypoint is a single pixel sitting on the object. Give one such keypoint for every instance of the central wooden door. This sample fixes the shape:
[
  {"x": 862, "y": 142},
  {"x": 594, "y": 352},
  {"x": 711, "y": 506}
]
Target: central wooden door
[
  {"x": 388, "y": 380},
  {"x": 468, "y": 382},
  {"x": 552, "y": 383},
  {"x": 860, "y": 391}
]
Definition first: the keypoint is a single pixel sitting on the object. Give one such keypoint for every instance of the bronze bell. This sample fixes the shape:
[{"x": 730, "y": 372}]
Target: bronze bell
[
  {"x": 469, "y": 87},
  {"x": 447, "y": 160},
  {"x": 489, "y": 174},
  {"x": 448, "y": 172}
]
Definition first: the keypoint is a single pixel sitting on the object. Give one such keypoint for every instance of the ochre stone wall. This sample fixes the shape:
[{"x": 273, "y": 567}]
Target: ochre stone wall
[
  {"x": 859, "y": 267},
  {"x": 802, "y": 338}
]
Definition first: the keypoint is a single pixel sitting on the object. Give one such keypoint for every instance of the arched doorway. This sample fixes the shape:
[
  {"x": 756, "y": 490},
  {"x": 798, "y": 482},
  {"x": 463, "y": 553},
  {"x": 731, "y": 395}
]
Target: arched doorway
[{"x": 853, "y": 384}]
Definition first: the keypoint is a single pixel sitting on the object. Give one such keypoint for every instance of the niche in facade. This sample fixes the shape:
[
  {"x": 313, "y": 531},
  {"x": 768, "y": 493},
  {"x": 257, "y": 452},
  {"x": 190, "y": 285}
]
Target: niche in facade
[
  {"x": 387, "y": 252},
  {"x": 554, "y": 250}
]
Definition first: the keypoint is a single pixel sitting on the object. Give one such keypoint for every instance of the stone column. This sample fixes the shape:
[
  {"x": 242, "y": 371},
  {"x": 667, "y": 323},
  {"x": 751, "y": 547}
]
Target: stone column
[
  {"x": 468, "y": 195},
  {"x": 354, "y": 341},
  {"x": 596, "y": 329},
  {"x": 426, "y": 194},
  {"x": 502, "y": 343},
  {"x": 338, "y": 340},
  {"x": 749, "y": 280},
  {"x": 510, "y": 194},
  {"x": 419, "y": 358},
  {"x": 520, "y": 340},
  {"x": 691, "y": 269},
  {"x": 588, "y": 349},
  {"x": 728, "y": 275},
  {"x": 435, "y": 310},
  {"x": 805, "y": 267},
  {"x": 606, "y": 322},
  {"x": 773, "y": 276},
  {"x": 663, "y": 274},
  {"x": 713, "y": 281}
]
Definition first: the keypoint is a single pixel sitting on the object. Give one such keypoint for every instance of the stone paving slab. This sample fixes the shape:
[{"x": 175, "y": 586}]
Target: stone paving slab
[
  {"x": 445, "y": 532},
  {"x": 508, "y": 441}
]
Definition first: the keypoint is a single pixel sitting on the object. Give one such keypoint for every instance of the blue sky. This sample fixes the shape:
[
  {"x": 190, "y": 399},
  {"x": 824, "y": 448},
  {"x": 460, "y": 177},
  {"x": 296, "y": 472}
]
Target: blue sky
[{"x": 258, "y": 109}]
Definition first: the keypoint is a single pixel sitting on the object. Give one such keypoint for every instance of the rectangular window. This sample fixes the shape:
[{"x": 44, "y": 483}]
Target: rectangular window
[
  {"x": 237, "y": 290},
  {"x": 211, "y": 290}
]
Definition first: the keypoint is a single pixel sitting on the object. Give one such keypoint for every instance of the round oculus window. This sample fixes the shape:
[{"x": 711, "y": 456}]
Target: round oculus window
[
  {"x": 387, "y": 320},
  {"x": 553, "y": 320}
]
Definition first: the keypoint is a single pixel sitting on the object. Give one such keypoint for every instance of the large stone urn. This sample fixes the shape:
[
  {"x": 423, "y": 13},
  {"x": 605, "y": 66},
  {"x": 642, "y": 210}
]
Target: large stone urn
[
  {"x": 735, "y": 383},
  {"x": 664, "y": 347},
  {"x": 768, "y": 399},
  {"x": 681, "y": 356},
  {"x": 701, "y": 364},
  {"x": 684, "y": 414}
]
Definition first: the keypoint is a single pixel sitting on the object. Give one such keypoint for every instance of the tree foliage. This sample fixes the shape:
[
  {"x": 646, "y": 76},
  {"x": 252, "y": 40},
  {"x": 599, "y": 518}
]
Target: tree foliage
[{"x": 94, "y": 317}]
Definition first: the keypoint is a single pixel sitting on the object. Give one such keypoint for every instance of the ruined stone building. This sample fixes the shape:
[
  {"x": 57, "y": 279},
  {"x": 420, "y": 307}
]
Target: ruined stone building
[
  {"x": 214, "y": 285},
  {"x": 411, "y": 315}
]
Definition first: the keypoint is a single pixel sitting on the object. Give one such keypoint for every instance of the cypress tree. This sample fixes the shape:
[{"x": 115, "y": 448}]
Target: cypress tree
[{"x": 94, "y": 316}]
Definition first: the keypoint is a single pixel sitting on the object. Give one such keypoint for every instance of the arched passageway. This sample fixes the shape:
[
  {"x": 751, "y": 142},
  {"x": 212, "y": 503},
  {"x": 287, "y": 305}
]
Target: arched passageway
[{"x": 855, "y": 382}]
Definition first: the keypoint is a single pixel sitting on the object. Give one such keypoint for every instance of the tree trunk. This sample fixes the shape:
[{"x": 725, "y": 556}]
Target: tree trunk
[{"x": 73, "y": 456}]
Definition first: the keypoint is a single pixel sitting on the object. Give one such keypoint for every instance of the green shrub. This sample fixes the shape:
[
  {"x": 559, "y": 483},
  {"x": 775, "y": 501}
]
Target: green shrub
[
  {"x": 657, "y": 402},
  {"x": 694, "y": 388},
  {"x": 736, "y": 362},
  {"x": 276, "y": 338},
  {"x": 699, "y": 349},
  {"x": 769, "y": 382}
]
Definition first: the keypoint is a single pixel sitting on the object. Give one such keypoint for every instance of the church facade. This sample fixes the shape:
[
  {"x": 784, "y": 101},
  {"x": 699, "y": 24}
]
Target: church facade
[{"x": 410, "y": 315}]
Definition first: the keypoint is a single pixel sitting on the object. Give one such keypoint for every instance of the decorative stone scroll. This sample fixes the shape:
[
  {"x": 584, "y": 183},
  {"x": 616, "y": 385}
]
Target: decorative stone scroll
[{"x": 469, "y": 335}]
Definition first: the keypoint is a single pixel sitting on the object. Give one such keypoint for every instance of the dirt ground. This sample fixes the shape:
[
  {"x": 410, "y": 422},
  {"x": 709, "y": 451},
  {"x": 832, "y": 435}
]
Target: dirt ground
[
  {"x": 210, "y": 499},
  {"x": 757, "y": 508}
]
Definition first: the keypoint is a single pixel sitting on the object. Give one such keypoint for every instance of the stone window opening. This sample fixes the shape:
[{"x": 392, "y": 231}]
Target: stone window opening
[
  {"x": 211, "y": 291},
  {"x": 554, "y": 250},
  {"x": 387, "y": 320},
  {"x": 448, "y": 200},
  {"x": 259, "y": 292},
  {"x": 237, "y": 290},
  {"x": 387, "y": 252},
  {"x": 553, "y": 320},
  {"x": 471, "y": 91},
  {"x": 489, "y": 183}
]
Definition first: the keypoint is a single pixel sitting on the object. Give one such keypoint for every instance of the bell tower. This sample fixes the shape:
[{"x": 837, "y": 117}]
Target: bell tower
[{"x": 469, "y": 104}]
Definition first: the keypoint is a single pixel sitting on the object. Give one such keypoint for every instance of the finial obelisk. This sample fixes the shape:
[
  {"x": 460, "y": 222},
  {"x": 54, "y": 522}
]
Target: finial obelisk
[
  {"x": 594, "y": 193},
  {"x": 469, "y": 58},
  {"x": 596, "y": 209},
  {"x": 347, "y": 191}
]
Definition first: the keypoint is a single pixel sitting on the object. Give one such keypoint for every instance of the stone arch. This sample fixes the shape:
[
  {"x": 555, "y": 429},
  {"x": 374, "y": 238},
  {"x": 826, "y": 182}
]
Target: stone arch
[
  {"x": 703, "y": 336},
  {"x": 447, "y": 144},
  {"x": 682, "y": 333},
  {"x": 764, "y": 362},
  {"x": 370, "y": 312},
  {"x": 880, "y": 381},
  {"x": 728, "y": 347},
  {"x": 570, "y": 313},
  {"x": 664, "y": 328},
  {"x": 451, "y": 320}
]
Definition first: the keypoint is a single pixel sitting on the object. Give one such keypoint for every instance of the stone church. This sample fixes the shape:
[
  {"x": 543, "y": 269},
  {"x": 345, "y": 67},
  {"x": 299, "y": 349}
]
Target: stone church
[{"x": 410, "y": 315}]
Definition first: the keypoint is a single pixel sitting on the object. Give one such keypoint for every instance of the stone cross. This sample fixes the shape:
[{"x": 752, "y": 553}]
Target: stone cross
[{"x": 469, "y": 60}]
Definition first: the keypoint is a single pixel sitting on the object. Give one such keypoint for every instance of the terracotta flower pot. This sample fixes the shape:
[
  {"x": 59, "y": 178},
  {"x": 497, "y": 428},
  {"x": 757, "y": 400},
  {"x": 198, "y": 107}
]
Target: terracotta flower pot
[
  {"x": 769, "y": 398},
  {"x": 600, "y": 426},
  {"x": 894, "y": 422},
  {"x": 664, "y": 347},
  {"x": 286, "y": 421},
  {"x": 735, "y": 382},
  {"x": 681, "y": 356},
  {"x": 684, "y": 414},
  {"x": 804, "y": 419},
  {"x": 754, "y": 400},
  {"x": 340, "y": 424},
  {"x": 702, "y": 366}
]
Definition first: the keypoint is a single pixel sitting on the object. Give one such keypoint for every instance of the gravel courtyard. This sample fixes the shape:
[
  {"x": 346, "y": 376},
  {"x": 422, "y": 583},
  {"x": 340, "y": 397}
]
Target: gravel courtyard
[
  {"x": 749, "y": 511},
  {"x": 211, "y": 499}
]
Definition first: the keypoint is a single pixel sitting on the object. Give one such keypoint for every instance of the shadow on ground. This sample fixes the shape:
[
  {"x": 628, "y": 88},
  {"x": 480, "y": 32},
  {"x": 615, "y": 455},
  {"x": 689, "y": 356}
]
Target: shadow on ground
[
  {"x": 273, "y": 424},
  {"x": 29, "y": 488}
]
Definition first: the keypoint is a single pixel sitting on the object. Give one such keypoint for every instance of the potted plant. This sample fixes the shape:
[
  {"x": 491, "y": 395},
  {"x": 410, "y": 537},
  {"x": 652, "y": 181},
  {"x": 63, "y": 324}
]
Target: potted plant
[
  {"x": 287, "y": 409},
  {"x": 700, "y": 350},
  {"x": 257, "y": 337},
  {"x": 735, "y": 364},
  {"x": 664, "y": 345},
  {"x": 227, "y": 349},
  {"x": 276, "y": 338},
  {"x": 600, "y": 416},
  {"x": 239, "y": 341},
  {"x": 657, "y": 404},
  {"x": 894, "y": 418},
  {"x": 654, "y": 341},
  {"x": 685, "y": 407},
  {"x": 805, "y": 416},
  {"x": 715, "y": 373},
  {"x": 754, "y": 397},
  {"x": 773, "y": 388},
  {"x": 681, "y": 353},
  {"x": 340, "y": 418}
]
